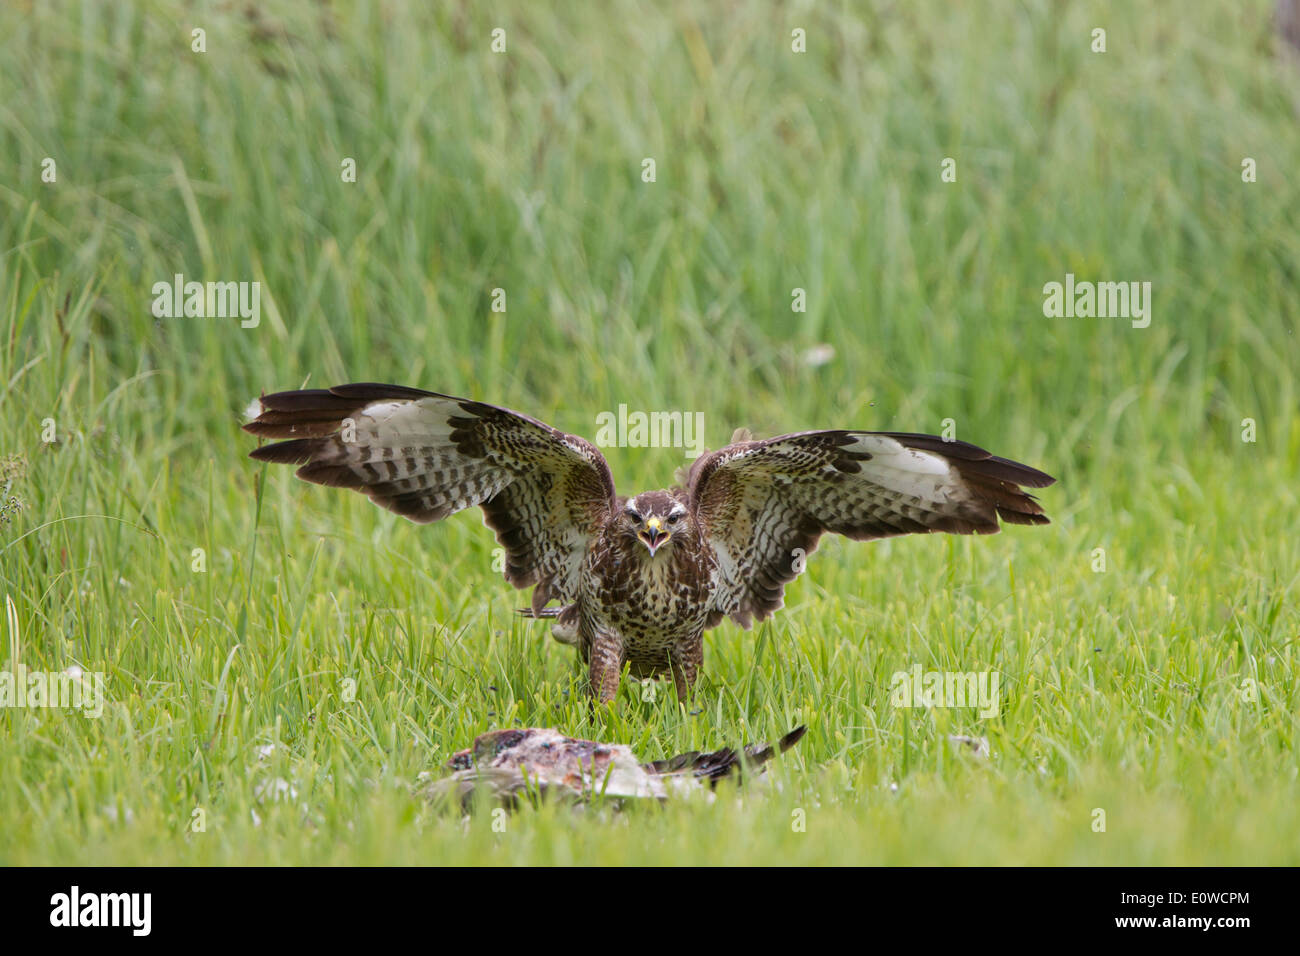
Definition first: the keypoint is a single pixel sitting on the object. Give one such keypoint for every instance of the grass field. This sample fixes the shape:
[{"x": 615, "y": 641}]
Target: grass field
[{"x": 1161, "y": 690}]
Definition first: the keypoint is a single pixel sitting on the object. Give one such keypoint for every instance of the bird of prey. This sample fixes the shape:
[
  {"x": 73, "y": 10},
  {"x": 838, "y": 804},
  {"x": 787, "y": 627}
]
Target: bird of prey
[
  {"x": 544, "y": 762},
  {"x": 639, "y": 579}
]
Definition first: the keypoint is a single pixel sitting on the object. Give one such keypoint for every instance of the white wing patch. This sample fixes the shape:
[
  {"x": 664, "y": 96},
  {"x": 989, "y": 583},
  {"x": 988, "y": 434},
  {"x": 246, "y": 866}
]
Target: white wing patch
[{"x": 904, "y": 471}]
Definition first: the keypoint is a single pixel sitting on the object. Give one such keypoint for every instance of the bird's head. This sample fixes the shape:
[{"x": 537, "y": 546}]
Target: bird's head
[{"x": 655, "y": 519}]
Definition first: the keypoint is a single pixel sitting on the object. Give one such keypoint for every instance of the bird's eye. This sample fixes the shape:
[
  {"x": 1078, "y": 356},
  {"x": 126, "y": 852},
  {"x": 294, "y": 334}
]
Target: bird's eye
[
  {"x": 632, "y": 514},
  {"x": 674, "y": 518}
]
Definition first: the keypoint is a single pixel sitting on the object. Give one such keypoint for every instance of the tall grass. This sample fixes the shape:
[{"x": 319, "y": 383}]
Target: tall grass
[{"x": 1162, "y": 690}]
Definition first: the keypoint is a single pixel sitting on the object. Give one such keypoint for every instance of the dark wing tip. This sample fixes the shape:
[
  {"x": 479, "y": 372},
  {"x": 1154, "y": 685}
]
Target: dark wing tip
[
  {"x": 379, "y": 392},
  {"x": 1021, "y": 517},
  {"x": 761, "y": 753},
  {"x": 792, "y": 738},
  {"x": 999, "y": 481},
  {"x": 1019, "y": 473},
  {"x": 715, "y": 765},
  {"x": 964, "y": 454},
  {"x": 315, "y": 413},
  {"x": 296, "y": 399},
  {"x": 296, "y": 452}
]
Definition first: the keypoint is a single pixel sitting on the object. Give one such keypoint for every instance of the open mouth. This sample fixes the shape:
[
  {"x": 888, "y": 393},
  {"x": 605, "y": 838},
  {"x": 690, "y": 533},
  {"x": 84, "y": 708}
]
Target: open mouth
[{"x": 653, "y": 537}]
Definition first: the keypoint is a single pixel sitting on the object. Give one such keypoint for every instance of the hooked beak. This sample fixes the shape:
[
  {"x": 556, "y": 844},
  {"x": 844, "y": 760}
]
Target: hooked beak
[{"x": 653, "y": 536}]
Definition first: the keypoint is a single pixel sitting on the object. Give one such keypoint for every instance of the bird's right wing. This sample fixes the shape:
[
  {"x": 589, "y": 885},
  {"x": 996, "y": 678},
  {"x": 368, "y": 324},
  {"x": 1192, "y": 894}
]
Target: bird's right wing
[{"x": 426, "y": 456}]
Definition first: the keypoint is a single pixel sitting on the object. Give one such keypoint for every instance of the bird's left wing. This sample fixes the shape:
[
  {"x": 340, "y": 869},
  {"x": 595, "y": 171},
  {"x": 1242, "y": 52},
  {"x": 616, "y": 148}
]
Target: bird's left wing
[
  {"x": 426, "y": 456},
  {"x": 765, "y": 504}
]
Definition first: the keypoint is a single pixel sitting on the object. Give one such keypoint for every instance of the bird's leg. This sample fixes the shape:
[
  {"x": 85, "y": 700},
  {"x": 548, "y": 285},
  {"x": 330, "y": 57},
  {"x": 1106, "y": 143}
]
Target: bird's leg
[
  {"x": 686, "y": 658},
  {"x": 606, "y": 667}
]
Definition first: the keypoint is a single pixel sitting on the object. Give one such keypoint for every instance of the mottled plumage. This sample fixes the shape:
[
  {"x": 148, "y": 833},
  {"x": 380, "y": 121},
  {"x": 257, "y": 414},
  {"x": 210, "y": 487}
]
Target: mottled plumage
[
  {"x": 543, "y": 761},
  {"x": 639, "y": 579}
]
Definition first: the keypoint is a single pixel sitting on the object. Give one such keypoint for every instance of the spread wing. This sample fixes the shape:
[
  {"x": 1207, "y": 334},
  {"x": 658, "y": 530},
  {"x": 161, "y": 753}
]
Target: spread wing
[
  {"x": 765, "y": 504},
  {"x": 425, "y": 456}
]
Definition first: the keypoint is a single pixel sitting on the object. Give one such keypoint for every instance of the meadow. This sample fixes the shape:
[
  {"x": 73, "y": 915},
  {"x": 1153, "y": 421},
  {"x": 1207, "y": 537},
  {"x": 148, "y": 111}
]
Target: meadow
[{"x": 282, "y": 661}]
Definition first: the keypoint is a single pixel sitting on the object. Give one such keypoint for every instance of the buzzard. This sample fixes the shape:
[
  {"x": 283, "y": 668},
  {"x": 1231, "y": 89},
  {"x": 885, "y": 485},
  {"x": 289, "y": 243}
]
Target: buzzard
[{"x": 639, "y": 579}]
